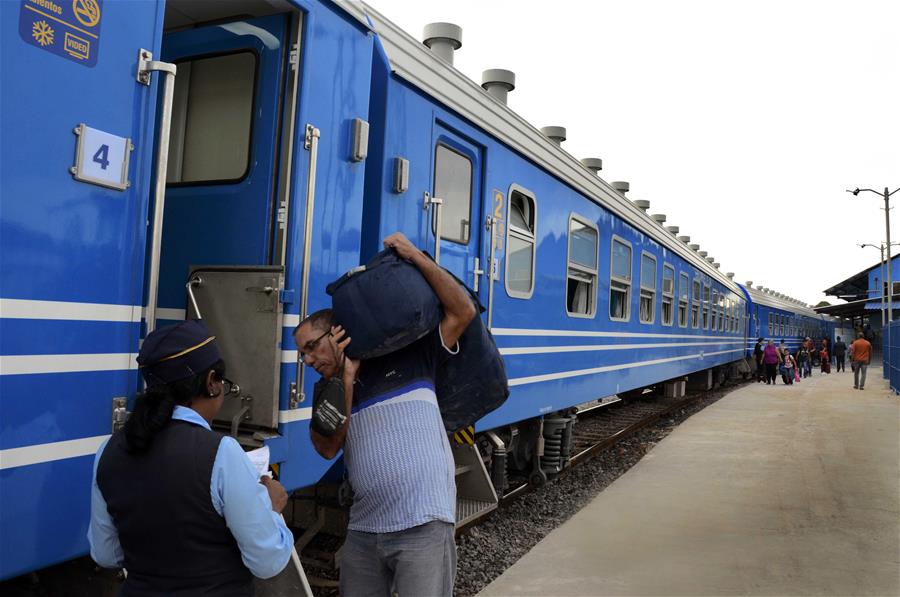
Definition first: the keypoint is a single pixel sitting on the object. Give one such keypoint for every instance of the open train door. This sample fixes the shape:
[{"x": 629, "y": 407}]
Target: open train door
[{"x": 79, "y": 92}]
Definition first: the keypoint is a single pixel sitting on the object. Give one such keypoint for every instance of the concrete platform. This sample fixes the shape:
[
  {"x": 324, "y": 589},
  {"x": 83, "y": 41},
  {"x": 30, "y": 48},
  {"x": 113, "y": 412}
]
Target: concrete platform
[{"x": 773, "y": 490}]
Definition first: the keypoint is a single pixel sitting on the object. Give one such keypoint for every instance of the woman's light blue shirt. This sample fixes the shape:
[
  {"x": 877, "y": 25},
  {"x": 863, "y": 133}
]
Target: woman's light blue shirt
[{"x": 261, "y": 534}]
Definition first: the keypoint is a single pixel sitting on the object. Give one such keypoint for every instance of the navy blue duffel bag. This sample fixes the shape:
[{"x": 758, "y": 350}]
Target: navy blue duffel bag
[
  {"x": 473, "y": 382},
  {"x": 384, "y": 305}
]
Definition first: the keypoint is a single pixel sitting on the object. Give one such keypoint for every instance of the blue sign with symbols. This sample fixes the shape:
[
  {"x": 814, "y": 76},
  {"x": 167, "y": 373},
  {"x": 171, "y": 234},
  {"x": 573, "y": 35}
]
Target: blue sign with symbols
[{"x": 67, "y": 28}]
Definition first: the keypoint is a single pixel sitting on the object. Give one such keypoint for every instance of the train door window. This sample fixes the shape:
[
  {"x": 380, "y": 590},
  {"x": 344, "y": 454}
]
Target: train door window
[
  {"x": 706, "y": 306},
  {"x": 209, "y": 92},
  {"x": 620, "y": 280},
  {"x": 453, "y": 184},
  {"x": 520, "y": 243},
  {"x": 715, "y": 309},
  {"x": 581, "y": 279},
  {"x": 683, "y": 299},
  {"x": 668, "y": 294},
  {"x": 695, "y": 304},
  {"x": 647, "y": 311}
]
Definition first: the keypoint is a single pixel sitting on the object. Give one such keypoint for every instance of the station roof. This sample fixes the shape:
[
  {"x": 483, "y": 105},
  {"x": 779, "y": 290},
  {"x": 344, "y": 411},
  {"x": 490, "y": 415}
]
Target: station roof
[{"x": 856, "y": 287}]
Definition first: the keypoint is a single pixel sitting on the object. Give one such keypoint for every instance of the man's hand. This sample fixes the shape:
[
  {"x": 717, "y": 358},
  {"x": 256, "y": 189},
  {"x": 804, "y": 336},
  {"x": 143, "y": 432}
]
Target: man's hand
[
  {"x": 401, "y": 244},
  {"x": 277, "y": 494},
  {"x": 351, "y": 366}
]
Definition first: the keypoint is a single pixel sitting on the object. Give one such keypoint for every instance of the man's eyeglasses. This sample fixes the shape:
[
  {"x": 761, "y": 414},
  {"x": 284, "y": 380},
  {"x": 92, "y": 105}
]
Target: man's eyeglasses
[{"x": 312, "y": 344}]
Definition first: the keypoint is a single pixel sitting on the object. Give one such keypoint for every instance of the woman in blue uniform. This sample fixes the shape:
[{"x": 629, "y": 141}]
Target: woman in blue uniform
[{"x": 175, "y": 504}]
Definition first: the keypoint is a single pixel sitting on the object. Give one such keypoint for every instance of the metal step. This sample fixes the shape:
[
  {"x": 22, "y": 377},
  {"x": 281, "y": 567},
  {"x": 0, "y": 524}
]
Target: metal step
[{"x": 468, "y": 510}]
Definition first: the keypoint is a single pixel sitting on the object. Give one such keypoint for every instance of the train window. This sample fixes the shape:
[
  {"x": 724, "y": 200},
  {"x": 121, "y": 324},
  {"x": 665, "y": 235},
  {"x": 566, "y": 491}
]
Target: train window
[
  {"x": 715, "y": 309},
  {"x": 647, "y": 312},
  {"x": 620, "y": 280},
  {"x": 581, "y": 280},
  {"x": 208, "y": 92},
  {"x": 520, "y": 244},
  {"x": 668, "y": 294},
  {"x": 695, "y": 305},
  {"x": 453, "y": 184},
  {"x": 683, "y": 299},
  {"x": 706, "y": 306},
  {"x": 771, "y": 318},
  {"x": 722, "y": 312}
]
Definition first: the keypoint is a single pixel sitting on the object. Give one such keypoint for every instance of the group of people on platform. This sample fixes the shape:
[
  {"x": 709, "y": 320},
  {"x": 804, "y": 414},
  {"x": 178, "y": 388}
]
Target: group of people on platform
[{"x": 772, "y": 360}]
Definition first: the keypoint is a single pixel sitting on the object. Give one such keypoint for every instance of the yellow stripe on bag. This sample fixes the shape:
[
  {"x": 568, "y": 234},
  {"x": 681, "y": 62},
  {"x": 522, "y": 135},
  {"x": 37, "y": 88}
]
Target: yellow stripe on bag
[{"x": 465, "y": 436}]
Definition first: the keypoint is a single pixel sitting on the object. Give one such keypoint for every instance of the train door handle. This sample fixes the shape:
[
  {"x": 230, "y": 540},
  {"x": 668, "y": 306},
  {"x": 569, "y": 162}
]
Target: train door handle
[{"x": 477, "y": 272}]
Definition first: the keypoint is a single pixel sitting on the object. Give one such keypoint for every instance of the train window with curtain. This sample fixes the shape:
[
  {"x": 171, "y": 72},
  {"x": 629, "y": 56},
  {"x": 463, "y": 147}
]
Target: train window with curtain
[
  {"x": 209, "y": 92},
  {"x": 771, "y": 319},
  {"x": 648, "y": 288},
  {"x": 731, "y": 315},
  {"x": 695, "y": 304},
  {"x": 453, "y": 184},
  {"x": 668, "y": 294},
  {"x": 620, "y": 280},
  {"x": 715, "y": 310},
  {"x": 581, "y": 278},
  {"x": 683, "y": 282},
  {"x": 706, "y": 306},
  {"x": 520, "y": 244}
]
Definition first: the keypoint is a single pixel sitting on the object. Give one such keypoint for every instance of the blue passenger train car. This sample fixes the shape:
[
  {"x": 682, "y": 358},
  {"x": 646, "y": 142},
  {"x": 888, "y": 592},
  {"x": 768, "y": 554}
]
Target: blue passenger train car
[{"x": 169, "y": 159}]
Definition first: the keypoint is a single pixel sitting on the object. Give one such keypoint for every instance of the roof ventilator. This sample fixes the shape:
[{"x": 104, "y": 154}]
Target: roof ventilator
[
  {"x": 593, "y": 164},
  {"x": 557, "y": 134},
  {"x": 673, "y": 230},
  {"x": 622, "y": 187},
  {"x": 694, "y": 247},
  {"x": 443, "y": 39},
  {"x": 659, "y": 218},
  {"x": 642, "y": 204},
  {"x": 498, "y": 83},
  {"x": 685, "y": 239},
  {"x": 703, "y": 253}
]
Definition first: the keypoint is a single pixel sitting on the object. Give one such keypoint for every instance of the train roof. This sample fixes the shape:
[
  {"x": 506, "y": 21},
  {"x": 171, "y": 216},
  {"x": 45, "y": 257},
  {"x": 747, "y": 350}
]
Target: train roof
[
  {"x": 763, "y": 298},
  {"x": 414, "y": 62}
]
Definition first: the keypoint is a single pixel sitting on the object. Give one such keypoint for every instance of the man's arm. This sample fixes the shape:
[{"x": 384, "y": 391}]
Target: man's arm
[
  {"x": 458, "y": 307},
  {"x": 329, "y": 446}
]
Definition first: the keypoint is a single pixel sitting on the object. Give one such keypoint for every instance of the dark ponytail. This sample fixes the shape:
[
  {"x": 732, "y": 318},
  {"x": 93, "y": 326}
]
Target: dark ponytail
[{"x": 153, "y": 407}]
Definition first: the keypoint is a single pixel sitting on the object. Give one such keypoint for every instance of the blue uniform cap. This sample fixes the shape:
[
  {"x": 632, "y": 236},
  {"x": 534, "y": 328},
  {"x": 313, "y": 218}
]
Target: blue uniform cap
[{"x": 177, "y": 352}]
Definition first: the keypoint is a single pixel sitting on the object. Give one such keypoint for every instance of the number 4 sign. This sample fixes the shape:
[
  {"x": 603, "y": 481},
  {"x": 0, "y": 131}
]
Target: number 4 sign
[{"x": 101, "y": 158}]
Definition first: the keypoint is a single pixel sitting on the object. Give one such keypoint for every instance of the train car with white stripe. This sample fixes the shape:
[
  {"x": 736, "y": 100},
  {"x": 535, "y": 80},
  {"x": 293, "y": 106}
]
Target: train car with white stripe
[
  {"x": 779, "y": 317},
  {"x": 164, "y": 160}
]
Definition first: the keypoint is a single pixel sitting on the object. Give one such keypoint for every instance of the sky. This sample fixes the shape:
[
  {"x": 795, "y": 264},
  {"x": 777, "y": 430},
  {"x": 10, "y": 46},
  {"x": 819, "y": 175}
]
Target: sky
[{"x": 743, "y": 122}]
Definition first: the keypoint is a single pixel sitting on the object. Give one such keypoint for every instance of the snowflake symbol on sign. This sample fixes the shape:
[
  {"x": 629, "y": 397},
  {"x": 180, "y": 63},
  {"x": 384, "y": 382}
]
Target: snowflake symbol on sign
[{"x": 42, "y": 33}]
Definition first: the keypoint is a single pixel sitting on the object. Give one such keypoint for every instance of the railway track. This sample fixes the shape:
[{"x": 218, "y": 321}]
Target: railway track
[{"x": 602, "y": 426}]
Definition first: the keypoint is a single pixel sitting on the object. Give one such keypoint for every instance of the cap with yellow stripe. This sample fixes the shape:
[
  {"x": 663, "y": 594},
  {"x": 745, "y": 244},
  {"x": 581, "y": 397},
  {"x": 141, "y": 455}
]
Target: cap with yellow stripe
[{"x": 177, "y": 352}]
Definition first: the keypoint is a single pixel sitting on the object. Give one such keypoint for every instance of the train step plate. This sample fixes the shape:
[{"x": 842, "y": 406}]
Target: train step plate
[{"x": 468, "y": 510}]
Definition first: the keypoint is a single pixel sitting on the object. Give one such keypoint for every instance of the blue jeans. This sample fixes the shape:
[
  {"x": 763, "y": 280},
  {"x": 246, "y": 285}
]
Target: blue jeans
[{"x": 416, "y": 562}]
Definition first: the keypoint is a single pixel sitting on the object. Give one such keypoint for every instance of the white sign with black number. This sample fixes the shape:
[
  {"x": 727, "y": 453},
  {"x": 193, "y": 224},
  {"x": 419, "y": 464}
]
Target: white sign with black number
[{"x": 101, "y": 158}]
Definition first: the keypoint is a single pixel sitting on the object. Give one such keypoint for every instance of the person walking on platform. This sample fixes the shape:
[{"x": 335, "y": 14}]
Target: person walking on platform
[
  {"x": 840, "y": 352},
  {"x": 860, "y": 357},
  {"x": 771, "y": 358},
  {"x": 825, "y": 357},
  {"x": 174, "y": 503},
  {"x": 787, "y": 367},
  {"x": 758, "y": 357},
  {"x": 804, "y": 361},
  {"x": 400, "y": 537}
]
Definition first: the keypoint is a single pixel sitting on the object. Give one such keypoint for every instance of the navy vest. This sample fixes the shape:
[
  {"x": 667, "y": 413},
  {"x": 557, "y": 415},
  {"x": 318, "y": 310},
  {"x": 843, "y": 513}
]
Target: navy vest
[{"x": 174, "y": 541}]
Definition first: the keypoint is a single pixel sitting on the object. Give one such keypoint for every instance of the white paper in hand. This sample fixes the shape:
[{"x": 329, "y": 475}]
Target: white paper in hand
[{"x": 260, "y": 460}]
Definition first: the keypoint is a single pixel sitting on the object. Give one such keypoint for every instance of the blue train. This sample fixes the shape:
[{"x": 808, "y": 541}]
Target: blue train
[{"x": 229, "y": 159}]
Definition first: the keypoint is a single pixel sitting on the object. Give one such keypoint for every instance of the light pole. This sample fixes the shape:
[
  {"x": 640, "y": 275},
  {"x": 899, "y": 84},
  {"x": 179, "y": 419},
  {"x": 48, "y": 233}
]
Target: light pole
[{"x": 890, "y": 279}]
